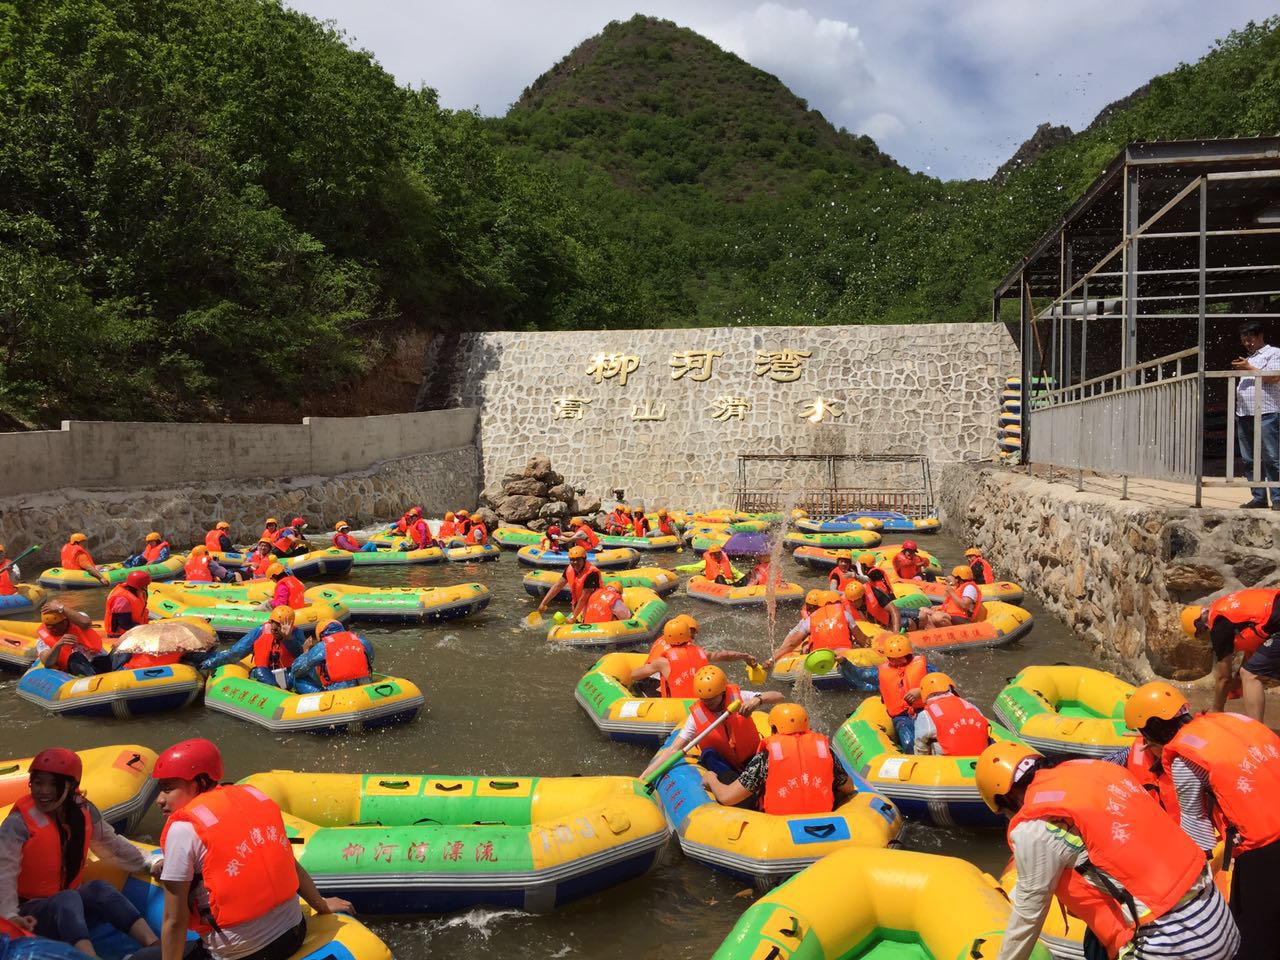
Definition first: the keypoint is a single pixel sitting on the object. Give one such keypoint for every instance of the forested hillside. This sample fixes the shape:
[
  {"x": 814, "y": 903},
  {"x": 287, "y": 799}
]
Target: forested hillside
[{"x": 206, "y": 206}]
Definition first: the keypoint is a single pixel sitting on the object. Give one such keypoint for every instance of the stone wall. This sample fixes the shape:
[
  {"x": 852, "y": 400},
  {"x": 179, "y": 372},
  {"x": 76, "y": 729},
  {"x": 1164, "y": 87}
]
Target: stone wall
[
  {"x": 118, "y": 520},
  {"x": 1118, "y": 571},
  {"x": 624, "y": 409}
]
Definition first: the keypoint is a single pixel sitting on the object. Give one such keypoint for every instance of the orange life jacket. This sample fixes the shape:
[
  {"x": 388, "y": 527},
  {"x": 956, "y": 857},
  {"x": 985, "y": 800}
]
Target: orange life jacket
[
  {"x": 666, "y": 527},
  {"x": 258, "y": 564},
  {"x": 1125, "y": 834},
  {"x": 7, "y": 588},
  {"x": 270, "y": 535},
  {"x": 140, "y": 661},
  {"x": 908, "y": 568},
  {"x": 760, "y": 574},
  {"x": 248, "y": 867},
  {"x": 737, "y": 739},
  {"x": 344, "y": 659},
  {"x": 684, "y": 660},
  {"x": 297, "y": 592},
  {"x": 593, "y": 538},
  {"x": 75, "y": 557},
  {"x": 982, "y": 572},
  {"x": 420, "y": 534},
  {"x": 447, "y": 529},
  {"x": 478, "y": 533},
  {"x": 213, "y": 540},
  {"x": 137, "y": 608},
  {"x": 828, "y": 629},
  {"x": 197, "y": 569},
  {"x": 12, "y": 930},
  {"x": 950, "y": 606},
  {"x": 600, "y": 606},
  {"x": 800, "y": 775},
  {"x": 345, "y": 541},
  {"x": 896, "y": 681},
  {"x": 962, "y": 729},
  {"x": 716, "y": 565},
  {"x": 574, "y": 579},
  {"x": 616, "y": 520},
  {"x": 284, "y": 543},
  {"x": 402, "y": 525},
  {"x": 86, "y": 639},
  {"x": 841, "y": 577},
  {"x": 269, "y": 652},
  {"x": 1247, "y": 611},
  {"x": 41, "y": 871},
  {"x": 878, "y": 603},
  {"x": 1146, "y": 768},
  {"x": 1242, "y": 757},
  {"x": 659, "y": 649},
  {"x": 640, "y": 525},
  {"x": 151, "y": 552}
]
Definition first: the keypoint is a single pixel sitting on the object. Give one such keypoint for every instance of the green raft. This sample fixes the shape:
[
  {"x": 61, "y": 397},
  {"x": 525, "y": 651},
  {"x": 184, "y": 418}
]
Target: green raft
[{"x": 853, "y": 540}]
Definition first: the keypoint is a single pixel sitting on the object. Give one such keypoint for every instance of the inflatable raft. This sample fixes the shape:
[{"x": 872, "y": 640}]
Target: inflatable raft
[
  {"x": 386, "y": 558},
  {"x": 472, "y": 552},
  {"x": 860, "y": 674},
  {"x": 1062, "y": 933},
  {"x": 404, "y": 604},
  {"x": 877, "y": 905},
  {"x": 937, "y": 789},
  {"x": 231, "y": 617},
  {"x": 605, "y": 693},
  {"x": 665, "y": 541},
  {"x": 25, "y": 598},
  {"x": 119, "y": 693},
  {"x": 512, "y": 538},
  {"x": 648, "y": 614},
  {"x": 18, "y": 643},
  {"x": 894, "y": 522},
  {"x": 838, "y": 525},
  {"x": 408, "y": 843},
  {"x": 1067, "y": 711},
  {"x": 853, "y": 540},
  {"x": 1005, "y": 591},
  {"x": 334, "y": 936},
  {"x": 386, "y": 702},
  {"x": 660, "y": 581},
  {"x": 762, "y": 848},
  {"x": 702, "y": 541},
  {"x": 115, "y": 573},
  {"x": 117, "y": 779},
  {"x": 330, "y": 562},
  {"x": 728, "y": 595},
  {"x": 618, "y": 558}
]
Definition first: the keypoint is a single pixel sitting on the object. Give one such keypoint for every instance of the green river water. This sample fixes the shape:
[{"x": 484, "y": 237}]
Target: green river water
[{"x": 500, "y": 702}]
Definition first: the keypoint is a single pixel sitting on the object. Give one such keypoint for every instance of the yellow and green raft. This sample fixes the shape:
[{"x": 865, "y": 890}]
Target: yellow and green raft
[
  {"x": 605, "y": 694},
  {"x": 728, "y": 595},
  {"x": 372, "y": 604},
  {"x": 648, "y": 614},
  {"x": 850, "y": 540},
  {"x": 659, "y": 580},
  {"x": 232, "y": 617},
  {"x": 1067, "y": 711},
  {"x": 116, "y": 779},
  {"x": 116, "y": 573}
]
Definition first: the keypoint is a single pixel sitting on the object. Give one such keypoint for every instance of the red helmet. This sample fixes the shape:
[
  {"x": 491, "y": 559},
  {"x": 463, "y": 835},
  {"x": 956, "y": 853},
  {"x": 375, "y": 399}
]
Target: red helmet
[
  {"x": 59, "y": 760},
  {"x": 297, "y": 522},
  {"x": 138, "y": 579},
  {"x": 910, "y": 545},
  {"x": 187, "y": 760}
]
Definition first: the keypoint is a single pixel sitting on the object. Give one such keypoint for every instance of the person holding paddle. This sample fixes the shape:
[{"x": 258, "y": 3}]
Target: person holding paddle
[
  {"x": 9, "y": 571},
  {"x": 574, "y": 575}
]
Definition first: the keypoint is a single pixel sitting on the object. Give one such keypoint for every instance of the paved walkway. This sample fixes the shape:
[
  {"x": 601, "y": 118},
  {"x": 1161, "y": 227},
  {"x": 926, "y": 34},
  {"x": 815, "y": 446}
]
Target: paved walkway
[{"x": 1162, "y": 493}]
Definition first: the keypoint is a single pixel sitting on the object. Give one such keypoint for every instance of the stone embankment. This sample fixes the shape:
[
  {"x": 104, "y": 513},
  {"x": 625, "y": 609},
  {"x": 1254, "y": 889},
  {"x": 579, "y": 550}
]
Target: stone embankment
[
  {"x": 536, "y": 497},
  {"x": 1116, "y": 571}
]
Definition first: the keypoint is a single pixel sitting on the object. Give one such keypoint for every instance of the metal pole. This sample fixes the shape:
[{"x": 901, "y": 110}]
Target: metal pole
[
  {"x": 1200, "y": 397},
  {"x": 1025, "y": 386},
  {"x": 1068, "y": 329},
  {"x": 1130, "y": 350}
]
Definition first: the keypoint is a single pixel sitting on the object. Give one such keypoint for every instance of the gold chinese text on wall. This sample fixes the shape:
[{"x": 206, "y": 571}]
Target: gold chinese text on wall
[
  {"x": 781, "y": 366},
  {"x": 696, "y": 363},
  {"x": 607, "y": 366}
]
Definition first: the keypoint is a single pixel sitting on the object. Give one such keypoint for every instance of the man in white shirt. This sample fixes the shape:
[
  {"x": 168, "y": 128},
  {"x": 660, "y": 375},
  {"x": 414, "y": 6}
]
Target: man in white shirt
[{"x": 1261, "y": 357}]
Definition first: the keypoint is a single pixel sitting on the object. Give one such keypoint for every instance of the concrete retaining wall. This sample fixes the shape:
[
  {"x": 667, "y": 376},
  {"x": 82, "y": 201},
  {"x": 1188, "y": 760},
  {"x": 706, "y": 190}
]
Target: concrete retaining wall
[{"x": 97, "y": 455}]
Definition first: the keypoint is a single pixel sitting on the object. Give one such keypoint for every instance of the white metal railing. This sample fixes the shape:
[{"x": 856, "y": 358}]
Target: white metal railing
[{"x": 1254, "y": 424}]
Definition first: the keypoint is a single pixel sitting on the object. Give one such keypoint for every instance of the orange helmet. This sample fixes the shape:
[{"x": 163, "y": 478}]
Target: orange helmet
[
  {"x": 855, "y": 592},
  {"x": 789, "y": 718},
  {"x": 709, "y": 682},
  {"x": 1156, "y": 700},
  {"x": 448, "y": 515},
  {"x": 936, "y": 683},
  {"x": 199, "y": 550},
  {"x": 272, "y": 520},
  {"x": 284, "y": 616},
  {"x": 997, "y": 769},
  {"x": 973, "y": 552},
  {"x": 866, "y": 558},
  {"x": 662, "y": 512},
  {"x": 342, "y": 525},
  {"x": 577, "y": 553},
  {"x": 461, "y": 513},
  {"x": 323, "y": 625},
  {"x": 153, "y": 537},
  {"x": 276, "y": 570},
  {"x": 1191, "y": 618},
  {"x": 77, "y": 538},
  {"x": 844, "y": 554},
  {"x": 962, "y": 572},
  {"x": 896, "y": 647},
  {"x": 677, "y": 632},
  {"x": 222, "y": 525}
]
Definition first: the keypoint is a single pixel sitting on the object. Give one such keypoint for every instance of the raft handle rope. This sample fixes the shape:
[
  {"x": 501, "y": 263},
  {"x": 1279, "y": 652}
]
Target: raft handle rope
[
  {"x": 394, "y": 784},
  {"x": 418, "y": 823},
  {"x": 504, "y": 784},
  {"x": 133, "y": 761},
  {"x": 793, "y": 931},
  {"x": 976, "y": 950},
  {"x": 820, "y": 830},
  {"x": 447, "y": 788},
  {"x": 12, "y": 768},
  {"x": 384, "y": 689}
]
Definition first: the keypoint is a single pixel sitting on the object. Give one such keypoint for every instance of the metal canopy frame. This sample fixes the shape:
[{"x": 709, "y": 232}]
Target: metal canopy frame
[{"x": 911, "y": 494}]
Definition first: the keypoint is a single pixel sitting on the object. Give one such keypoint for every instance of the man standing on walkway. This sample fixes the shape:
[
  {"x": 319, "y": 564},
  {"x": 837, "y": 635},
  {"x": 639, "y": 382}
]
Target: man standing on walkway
[{"x": 1261, "y": 356}]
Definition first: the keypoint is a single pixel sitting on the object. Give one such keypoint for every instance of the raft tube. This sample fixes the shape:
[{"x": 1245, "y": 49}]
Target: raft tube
[
  {"x": 333, "y": 936},
  {"x": 761, "y": 848},
  {"x": 864, "y": 675},
  {"x": 728, "y": 595},
  {"x": 1067, "y": 711},
  {"x": 115, "y": 573},
  {"x": 648, "y": 614},
  {"x": 18, "y": 643},
  {"x": 661, "y": 541},
  {"x": 454, "y": 843},
  {"x": 386, "y": 702},
  {"x": 386, "y": 558},
  {"x": 25, "y": 598},
  {"x": 894, "y": 522},
  {"x": 513, "y": 538},
  {"x": 853, "y": 540},
  {"x": 937, "y": 789},
  {"x": 703, "y": 541},
  {"x": 404, "y": 604},
  {"x": 232, "y": 618},
  {"x": 119, "y": 693},
  {"x": 330, "y": 562},
  {"x": 838, "y": 525},
  {"x": 472, "y": 552},
  {"x": 117, "y": 780},
  {"x": 619, "y": 558},
  {"x": 605, "y": 693},
  {"x": 1001, "y": 623},
  {"x": 860, "y": 904},
  {"x": 657, "y": 579},
  {"x": 1005, "y": 591}
]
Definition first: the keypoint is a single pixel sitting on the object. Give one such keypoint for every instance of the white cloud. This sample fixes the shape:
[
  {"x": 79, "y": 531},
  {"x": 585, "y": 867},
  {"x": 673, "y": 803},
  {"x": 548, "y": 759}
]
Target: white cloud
[{"x": 882, "y": 127}]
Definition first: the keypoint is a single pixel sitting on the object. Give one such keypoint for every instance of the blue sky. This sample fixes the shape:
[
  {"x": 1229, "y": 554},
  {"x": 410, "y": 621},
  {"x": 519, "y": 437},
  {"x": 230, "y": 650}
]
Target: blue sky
[{"x": 950, "y": 87}]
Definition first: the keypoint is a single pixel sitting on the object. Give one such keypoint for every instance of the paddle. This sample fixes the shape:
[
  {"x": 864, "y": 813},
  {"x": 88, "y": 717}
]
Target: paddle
[
  {"x": 651, "y": 782},
  {"x": 24, "y": 554}
]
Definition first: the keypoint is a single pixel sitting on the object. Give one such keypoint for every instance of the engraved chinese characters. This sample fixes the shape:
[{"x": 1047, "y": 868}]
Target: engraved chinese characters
[{"x": 696, "y": 363}]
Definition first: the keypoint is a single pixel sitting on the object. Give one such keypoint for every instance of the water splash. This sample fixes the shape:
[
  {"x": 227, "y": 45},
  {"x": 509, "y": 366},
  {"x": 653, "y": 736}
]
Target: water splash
[
  {"x": 790, "y": 499},
  {"x": 481, "y": 921}
]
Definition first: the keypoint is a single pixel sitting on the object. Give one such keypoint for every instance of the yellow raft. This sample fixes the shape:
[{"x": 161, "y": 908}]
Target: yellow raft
[
  {"x": 117, "y": 693},
  {"x": 726, "y": 594},
  {"x": 605, "y": 693},
  {"x": 25, "y": 598},
  {"x": 232, "y": 618},
  {"x": 881, "y": 904},
  {"x": 18, "y": 643},
  {"x": 1005, "y": 591},
  {"x": 116, "y": 573},
  {"x": 648, "y": 614},
  {"x": 537, "y": 583},
  {"x": 117, "y": 780},
  {"x": 374, "y": 604},
  {"x": 1067, "y": 711}
]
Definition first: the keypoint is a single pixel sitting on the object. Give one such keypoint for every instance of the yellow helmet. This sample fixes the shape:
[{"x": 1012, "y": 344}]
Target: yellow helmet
[
  {"x": 820, "y": 598},
  {"x": 898, "y": 646},
  {"x": 77, "y": 538},
  {"x": 271, "y": 520},
  {"x": 997, "y": 769},
  {"x": 49, "y": 614},
  {"x": 1156, "y": 700},
  {"x": 709, "y": 682},
  {"x": 275, "y": 570},
  {"x": 677, "y": 632},
  {"x": 798, "y": 514},
  {"x": 623, "y": 508},
  {"x": 662, "y": 511},
  {"x": 855, "y": 592},
  {"x": 153, "y": 537},
  {"x": 866, "y": 558},
  {"x": 576, "y": 522},
  {"x": 283, "y": 616},
  {"x": 936, "y": 683},
  {"x": 789, "y": 718},
  {"x": 1190, "y": 619},
  {"x": 448, "y": 515},
  {"x": 577, "y": 553},
  {"x": 973, "y": 552},
  {"x": 199, "y": 550},
  {"x": 322, "y": 625},
  {"x": 222, "y": 525},
  {"x": 962, "y": 572},
  {"x": 844, "y": 554}
]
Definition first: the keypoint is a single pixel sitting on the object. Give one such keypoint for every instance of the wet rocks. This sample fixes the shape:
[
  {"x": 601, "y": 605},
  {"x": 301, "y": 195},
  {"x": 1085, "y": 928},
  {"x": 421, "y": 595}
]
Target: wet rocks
[
  {"x": 537, "y": 497},
  {"x": 518, "y": 508}
]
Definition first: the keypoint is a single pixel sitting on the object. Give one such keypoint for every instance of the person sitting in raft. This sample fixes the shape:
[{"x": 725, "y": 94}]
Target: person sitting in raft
[
  {"x": 332, "y": 658},
  {"x": 1245, "y": 621},
  {"x": 675, "y": 658},
  {"x": 218, "y": 540},
  {"x": 881, "y": 607},
  {"x": 9, "y": 572},
  {"x": 127, "y": 605},
  {"x": 760, "y": 573},
  {"x": 44, "y": 843},
  {"x": 665, "y": 526},
  {"x": 270, "y": 530},
  {"x": 616, "y": 521},
  {"x": 553, "y": 540},
  {"x": 824, "y": 624},
  {"x": 418, "y": 532},
  {"x": 981, "y": 567},
  {"x": 344, "y": 540},
  {"x": 581, "y": 534},
  {"x": 842, "y": 574},
  {"x": 260, "y": 560},
  {"x": 202, "y": 568},
  {"x": 962, "y": 603},
  {"x": 463, "y": 520},
  {"x": 274, "y": 646},
  {"x": 477, "y": 532},
  {"x": 251, "y": 913},
  {"x": 794, "y": 771},
  {"x": 572, "y": 575},
  {"x": 716, "y": 566},
  {"x": 1085, "y": 831},
  {"x": 900, "y": 677},
  {"x": 601, "y": 602},
  {"x": 290, "y": 540},
  {"x": 448, "y": 528},
  {"x": 949, "y": 725},
  {"x": 865, "y": 563},
  {"x": 639, "y": 522},
  {"x": 726, "y": 750},
  {"x": 75, "y": 556},
  {"x": 289, "y": 591},
  {"x": 155, "y": 549},
  {"x": 66, "y": 641},
  {"x": 909, "y": 565}
]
